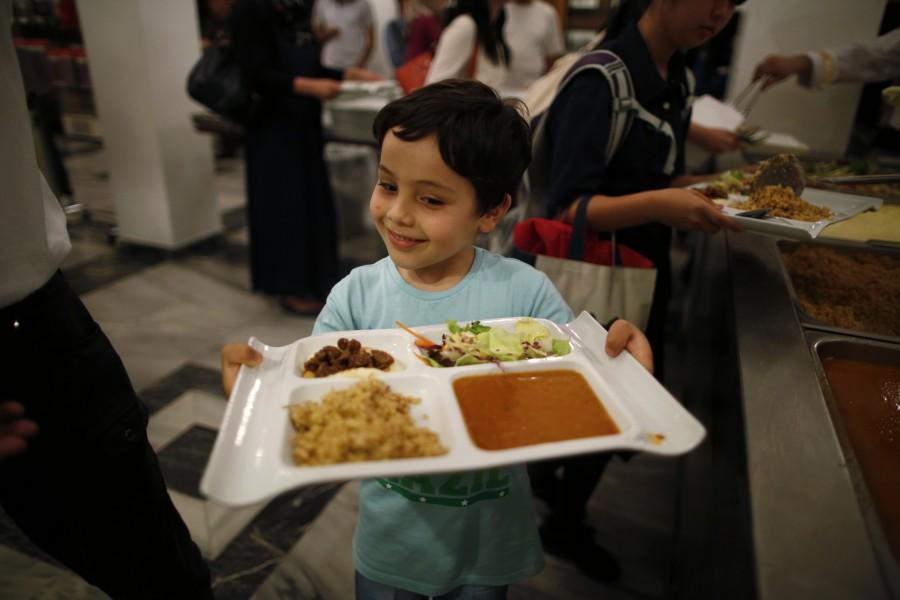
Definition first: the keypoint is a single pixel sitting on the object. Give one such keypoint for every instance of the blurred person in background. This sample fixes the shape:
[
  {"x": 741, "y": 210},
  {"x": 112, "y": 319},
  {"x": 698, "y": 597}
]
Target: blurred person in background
[
  {"x": 871, "y": 60},
  {"x": 635, "y": 193},
  {"x": 345, "y": 29},
  {"x": 472, "y": 44},
  {"x": 425, "y": 26},
  {"x": 875, "y": 61},
  {"x": 77, "y": 474},
  {"x": 535, "y": 40},
  {"x": 290, "y": 208}
]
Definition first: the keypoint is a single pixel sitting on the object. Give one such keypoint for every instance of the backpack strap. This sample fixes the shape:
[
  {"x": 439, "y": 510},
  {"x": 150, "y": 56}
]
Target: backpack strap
[{"x": 624, "y": 103}]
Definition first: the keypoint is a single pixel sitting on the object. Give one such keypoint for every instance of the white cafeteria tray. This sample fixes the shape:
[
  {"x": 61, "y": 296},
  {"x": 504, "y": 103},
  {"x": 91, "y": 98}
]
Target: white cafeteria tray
[
  {"x": 251, "y": 460},
  {"x": 843, "y": 206}
]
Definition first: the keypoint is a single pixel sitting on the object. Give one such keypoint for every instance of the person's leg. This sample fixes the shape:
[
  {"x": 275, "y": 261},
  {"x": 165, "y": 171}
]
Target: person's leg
[
  {"x": 564, "y": 532},
  {"x": 89, "y": 490},
  {"x": 366, "y": 589},
  {"x": 544, "y": 480}
]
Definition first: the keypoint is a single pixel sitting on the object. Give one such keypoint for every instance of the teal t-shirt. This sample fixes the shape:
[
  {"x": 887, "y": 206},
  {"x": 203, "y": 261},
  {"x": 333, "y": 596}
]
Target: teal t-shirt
[{"x": 430, "y": 534}]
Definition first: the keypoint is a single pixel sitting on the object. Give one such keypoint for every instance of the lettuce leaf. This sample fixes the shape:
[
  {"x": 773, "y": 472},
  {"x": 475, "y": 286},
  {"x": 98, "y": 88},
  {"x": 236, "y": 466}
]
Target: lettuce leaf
[
  {"x": 561, "y": 347},
  {"x": 531, "y": 331}
]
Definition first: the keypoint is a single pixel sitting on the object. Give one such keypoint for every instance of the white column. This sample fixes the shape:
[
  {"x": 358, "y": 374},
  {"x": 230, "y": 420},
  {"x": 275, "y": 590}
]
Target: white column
[
  {"x": 161, "y": 170},
  {"x": 822, "y": 118}
]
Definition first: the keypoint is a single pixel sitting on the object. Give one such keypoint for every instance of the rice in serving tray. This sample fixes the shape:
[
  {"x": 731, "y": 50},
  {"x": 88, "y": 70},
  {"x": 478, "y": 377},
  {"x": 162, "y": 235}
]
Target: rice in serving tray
[{"x": 364, "y": 422}]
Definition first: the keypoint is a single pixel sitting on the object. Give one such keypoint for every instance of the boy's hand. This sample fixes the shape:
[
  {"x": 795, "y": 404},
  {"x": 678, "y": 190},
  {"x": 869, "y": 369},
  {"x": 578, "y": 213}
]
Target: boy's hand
[
  {"x": 233, "y": 356},
  {"x": 624, "y": 335}
]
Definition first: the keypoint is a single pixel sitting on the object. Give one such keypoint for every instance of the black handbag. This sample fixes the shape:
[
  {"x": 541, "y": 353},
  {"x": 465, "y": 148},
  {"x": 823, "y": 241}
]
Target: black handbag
[{"x": 216, "y": 83}]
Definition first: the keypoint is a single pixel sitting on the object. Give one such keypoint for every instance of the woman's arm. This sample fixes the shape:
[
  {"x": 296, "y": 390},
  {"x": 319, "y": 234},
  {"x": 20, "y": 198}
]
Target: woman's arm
[
  {"x": 454, "y": 50},
  {"x": 677, "y": 207},
  {"x": 580, "y": 129}
]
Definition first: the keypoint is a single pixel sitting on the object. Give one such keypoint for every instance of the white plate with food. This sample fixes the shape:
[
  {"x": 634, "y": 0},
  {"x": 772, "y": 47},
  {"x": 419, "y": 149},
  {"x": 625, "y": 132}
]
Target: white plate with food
[
  {"x": 776, "y": 200},
  {"x": 796, "y": 217},
  {"x": 365, "y": 404}
]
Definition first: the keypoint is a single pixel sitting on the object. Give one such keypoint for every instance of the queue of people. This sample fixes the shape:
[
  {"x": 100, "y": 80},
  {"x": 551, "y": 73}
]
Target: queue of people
[{"x": 452, "y": 156}]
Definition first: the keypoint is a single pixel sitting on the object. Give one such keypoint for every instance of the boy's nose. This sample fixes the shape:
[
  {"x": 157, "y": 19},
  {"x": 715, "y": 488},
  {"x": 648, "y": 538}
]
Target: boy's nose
[{"x": 399, "y": 211}]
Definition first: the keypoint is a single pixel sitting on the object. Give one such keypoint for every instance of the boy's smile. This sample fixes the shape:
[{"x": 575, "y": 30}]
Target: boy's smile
[
  {"x": 427, "y": 213},
  {"x": 401, "y": 241}
]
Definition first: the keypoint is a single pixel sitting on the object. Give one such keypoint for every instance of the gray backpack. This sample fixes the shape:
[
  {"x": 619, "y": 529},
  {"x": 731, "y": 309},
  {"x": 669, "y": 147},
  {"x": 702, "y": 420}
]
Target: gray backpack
[{"x": 625, "y": 109}]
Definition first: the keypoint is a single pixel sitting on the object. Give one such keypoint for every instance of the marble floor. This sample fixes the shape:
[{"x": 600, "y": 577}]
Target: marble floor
[{"x": 168, "y": 314}]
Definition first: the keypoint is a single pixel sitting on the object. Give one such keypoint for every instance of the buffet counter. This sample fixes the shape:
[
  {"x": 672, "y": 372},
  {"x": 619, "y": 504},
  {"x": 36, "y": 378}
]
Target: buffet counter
[{"x": 814, "y": 532}]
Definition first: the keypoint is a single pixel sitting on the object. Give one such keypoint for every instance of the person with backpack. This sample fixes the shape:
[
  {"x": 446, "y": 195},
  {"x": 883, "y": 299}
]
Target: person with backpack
[{"x": 616, "y": 131}]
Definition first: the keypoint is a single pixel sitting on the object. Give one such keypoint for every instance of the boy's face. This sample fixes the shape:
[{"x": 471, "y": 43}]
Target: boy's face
[{"x": 427, "y": 213}]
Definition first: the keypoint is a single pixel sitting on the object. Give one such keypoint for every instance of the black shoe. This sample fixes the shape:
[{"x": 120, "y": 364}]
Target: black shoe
[{"x": 576, "y": 544}]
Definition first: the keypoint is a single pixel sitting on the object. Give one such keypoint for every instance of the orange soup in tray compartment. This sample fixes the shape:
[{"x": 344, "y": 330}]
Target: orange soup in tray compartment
[
  {"x": 580, "y": 401},
  {"x": 508, "y": 410}
]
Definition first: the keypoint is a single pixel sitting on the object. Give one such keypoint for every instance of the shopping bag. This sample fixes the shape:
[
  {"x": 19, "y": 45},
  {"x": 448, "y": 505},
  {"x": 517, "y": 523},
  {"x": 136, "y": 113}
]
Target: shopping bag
[
  {"x": 411, "y": 74},
  {"x": 216, "y": 82},
  {"x": 600, "y": 276}
]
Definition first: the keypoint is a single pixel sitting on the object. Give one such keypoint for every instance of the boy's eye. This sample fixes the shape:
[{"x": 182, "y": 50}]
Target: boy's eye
[
  {"x": 389, "y": 187},
  {"x": 432, "y": 201}
]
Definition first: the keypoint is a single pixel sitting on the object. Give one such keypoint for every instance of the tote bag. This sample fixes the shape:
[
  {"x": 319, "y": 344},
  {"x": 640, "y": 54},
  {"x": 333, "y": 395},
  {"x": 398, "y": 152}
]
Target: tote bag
[
  {"x": 215, "y": 81},
  {"x": 604, "y": 278}
]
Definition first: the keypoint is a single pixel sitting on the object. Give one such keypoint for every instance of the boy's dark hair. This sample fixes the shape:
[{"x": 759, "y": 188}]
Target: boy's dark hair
[{"x": 481, "y": 137}]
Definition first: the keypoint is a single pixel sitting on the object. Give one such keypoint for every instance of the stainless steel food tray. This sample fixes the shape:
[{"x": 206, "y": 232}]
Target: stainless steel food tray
[
  {"x": 809, "y": 322},
  {"x": 828, "y": 345}
]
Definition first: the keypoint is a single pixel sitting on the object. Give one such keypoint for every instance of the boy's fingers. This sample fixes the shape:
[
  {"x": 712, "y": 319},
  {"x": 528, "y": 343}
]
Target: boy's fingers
[
  {"x": 624, "y": 335},
  {"x": 240, "y": 354},
  {"x": 617, "y": 338}
]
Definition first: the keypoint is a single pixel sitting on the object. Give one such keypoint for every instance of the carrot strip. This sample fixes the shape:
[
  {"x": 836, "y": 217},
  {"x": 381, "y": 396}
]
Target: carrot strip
[{"x": 420, "y": 338}]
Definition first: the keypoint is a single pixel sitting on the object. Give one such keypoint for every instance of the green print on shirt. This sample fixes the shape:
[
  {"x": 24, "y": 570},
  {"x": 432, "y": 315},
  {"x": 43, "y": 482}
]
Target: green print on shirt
[{"x": 459, "y": 489}]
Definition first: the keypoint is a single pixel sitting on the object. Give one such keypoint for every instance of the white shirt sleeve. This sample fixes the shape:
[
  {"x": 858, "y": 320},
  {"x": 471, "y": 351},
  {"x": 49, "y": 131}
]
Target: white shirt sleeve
[
  {"x": 454, "y": 50},
  {"x": 872, "y": 60}
]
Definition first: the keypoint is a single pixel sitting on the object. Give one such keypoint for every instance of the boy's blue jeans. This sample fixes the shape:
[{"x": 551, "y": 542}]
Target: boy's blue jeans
[{"x": 366, "y": 589}]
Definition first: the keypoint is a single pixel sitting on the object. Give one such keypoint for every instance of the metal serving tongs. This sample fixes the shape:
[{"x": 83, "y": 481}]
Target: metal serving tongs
[
  {"x": 859, "y": 179},
  {"x": 742, "y": 103},
  {"x": 745, "y": 100}
]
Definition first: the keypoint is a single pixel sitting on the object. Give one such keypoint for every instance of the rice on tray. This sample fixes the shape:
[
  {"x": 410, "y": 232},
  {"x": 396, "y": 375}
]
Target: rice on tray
[
  {"x": 783, "y": 202},
  {"x": 365, "y": 422}
]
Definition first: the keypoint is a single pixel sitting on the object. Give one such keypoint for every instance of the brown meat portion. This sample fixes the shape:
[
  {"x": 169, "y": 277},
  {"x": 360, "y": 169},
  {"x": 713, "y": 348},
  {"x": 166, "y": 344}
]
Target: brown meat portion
[{"x": 348, "y": 354}]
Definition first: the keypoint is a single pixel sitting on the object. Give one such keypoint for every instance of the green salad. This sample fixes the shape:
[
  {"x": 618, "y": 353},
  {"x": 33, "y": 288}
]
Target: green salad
[{"x": 477, "y": 343}]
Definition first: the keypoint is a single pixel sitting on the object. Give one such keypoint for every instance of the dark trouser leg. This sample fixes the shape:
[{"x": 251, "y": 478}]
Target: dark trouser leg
[
  {"x": 89, "y": 490},
  {"x": 580, "y": 476}
]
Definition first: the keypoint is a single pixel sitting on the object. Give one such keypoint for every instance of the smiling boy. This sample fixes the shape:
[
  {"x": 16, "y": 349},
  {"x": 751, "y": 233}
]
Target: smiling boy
[{"x": 451, "y": 155}]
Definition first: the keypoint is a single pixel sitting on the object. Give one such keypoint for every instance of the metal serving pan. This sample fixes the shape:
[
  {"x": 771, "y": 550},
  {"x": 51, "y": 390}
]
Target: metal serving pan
[
  {"x": 824, "y": 345},
  {"x": 809, "y": 322}
]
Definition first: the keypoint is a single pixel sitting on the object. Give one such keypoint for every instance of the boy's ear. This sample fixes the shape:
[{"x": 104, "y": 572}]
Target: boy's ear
[{"x": 490, "y": 219}]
